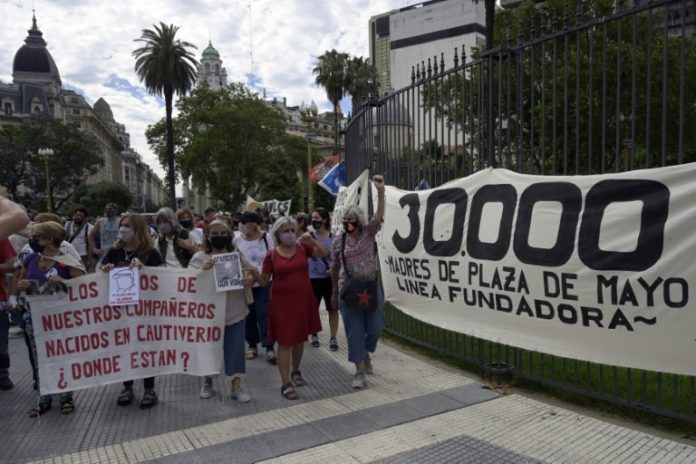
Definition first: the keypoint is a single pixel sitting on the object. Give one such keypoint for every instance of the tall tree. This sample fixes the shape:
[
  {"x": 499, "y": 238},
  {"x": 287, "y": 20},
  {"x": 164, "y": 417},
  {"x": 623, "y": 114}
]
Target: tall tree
[
  {"x": 75, "y": 157},
  {"x": 166, "y": 66},
  {"x": 330, "y": 73},
  {"x": 361, "y": 79}
]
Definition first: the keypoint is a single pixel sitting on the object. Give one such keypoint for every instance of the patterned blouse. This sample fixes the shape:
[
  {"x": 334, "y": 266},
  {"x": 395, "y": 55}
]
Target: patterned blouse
[{"x": 359, "y": 257}]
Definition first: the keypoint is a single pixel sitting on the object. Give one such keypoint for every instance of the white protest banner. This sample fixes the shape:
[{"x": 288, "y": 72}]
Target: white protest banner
[
  {"x": 599, "y": 268},
  {"x": 123, "y": 286},
  {"x": 228, "y": 272},
  {"x": 82, "y": 341},
  {"x": 356, "y": 193},
  {"x": 281, "y": 207}
]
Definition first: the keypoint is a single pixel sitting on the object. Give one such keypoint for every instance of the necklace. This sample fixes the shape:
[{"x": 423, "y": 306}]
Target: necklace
[{"x": 129, "y": 255}]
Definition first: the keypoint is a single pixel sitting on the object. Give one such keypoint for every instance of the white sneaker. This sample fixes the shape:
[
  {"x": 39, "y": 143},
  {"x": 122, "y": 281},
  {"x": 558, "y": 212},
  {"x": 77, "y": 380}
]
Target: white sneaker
[
  {"x": 369, "y": 370},
  {"x": 358, "y": 381},
  {"x": 241, "y": 395},
  {"x": 206, "y": 390}
]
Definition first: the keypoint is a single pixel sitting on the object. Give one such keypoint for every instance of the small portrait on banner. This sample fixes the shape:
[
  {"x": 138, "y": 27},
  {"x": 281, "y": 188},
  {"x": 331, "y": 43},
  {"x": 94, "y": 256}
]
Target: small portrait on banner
[{"x": 228, "y": 272}]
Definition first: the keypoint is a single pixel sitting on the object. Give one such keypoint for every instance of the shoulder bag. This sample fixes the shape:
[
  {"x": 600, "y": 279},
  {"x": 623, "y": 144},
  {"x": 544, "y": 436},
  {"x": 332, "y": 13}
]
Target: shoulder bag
[{"x": 356, "y": 292}]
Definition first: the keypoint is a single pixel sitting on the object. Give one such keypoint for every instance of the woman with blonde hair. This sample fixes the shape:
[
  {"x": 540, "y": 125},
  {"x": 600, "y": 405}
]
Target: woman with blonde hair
[
  {"x": 133, "y": 248},
  {"x": 42, "y": 273}
]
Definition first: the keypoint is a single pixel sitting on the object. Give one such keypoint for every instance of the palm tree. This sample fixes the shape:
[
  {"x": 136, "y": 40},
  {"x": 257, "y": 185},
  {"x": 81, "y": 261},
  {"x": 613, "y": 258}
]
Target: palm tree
[
  {"x": 361, "y": 80},
  {"x": 166, "y": 66},
  {"x": 331, "y": 74}
]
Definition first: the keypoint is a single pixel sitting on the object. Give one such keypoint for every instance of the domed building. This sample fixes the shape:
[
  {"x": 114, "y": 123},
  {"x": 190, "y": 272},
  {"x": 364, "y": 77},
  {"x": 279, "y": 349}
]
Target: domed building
[
  {"x": 210, "y": 69},
  {"x": 37, "y": 91},
  {"x": 36, "y": 87}
]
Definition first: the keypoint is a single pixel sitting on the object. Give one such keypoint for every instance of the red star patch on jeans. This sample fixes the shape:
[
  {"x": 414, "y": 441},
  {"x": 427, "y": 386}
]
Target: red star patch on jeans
[{"x": 365, "y": 298}]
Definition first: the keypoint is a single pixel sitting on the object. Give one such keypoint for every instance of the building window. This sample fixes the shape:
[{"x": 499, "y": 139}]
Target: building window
[
  {"x": 37, "y": 110},
  {"x": 75, "y": 111},
  {"x": 74, "y": 100},
  {"x": 8, "y": 108}
]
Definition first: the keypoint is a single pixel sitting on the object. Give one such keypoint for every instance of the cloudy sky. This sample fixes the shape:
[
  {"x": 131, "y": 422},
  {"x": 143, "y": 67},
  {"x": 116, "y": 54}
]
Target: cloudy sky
[{"x": 91, "y": 42}]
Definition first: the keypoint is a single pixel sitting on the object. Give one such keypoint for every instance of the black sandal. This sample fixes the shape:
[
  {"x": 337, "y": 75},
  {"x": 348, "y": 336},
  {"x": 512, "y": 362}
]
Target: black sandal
[
  {"x": 297, "y": 380},
  {"x": 149, "y": 399},
  {"x": 39, "y": 409},
  {"x": 289, "y": 392},
  {"x": 67, "y": 407},
  {"x": 125, "y": 397}
]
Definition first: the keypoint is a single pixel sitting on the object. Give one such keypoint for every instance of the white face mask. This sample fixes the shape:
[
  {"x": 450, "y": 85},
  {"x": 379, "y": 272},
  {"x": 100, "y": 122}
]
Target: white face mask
[{"x": 288, "y": 238}]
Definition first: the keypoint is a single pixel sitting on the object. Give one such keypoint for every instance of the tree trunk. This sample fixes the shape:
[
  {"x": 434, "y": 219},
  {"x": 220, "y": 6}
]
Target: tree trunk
[
  {"x": 336, "y": 128},
  {"x": 171, "y": 178}
]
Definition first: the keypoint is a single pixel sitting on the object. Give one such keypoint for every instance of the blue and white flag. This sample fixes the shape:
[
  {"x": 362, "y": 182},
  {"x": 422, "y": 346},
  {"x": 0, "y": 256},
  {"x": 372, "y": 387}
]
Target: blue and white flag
[
  {"x": 422, "y": 185},
  {"x": 334, "y": 179}
]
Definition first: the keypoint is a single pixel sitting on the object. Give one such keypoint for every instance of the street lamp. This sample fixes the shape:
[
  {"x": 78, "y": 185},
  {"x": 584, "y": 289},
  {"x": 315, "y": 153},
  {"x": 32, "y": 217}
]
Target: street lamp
[
  {"x": 46, "y": 153},
  {"x": 308, "y": 114}
]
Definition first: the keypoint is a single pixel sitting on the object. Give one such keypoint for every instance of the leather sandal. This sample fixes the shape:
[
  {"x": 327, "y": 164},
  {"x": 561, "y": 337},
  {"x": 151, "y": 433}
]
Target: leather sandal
[
  {"x": 125, "y": 397},
  {"x": 271, "y": 356},
  {"x": 297, "y": 380},
  {"x": 39, "y": 409},
  {"x": 289, "y": 392},
  {"x": 149, "y": 399},
  {"x": 251, "y": 354},
  {"x": 67, "y": 407}
]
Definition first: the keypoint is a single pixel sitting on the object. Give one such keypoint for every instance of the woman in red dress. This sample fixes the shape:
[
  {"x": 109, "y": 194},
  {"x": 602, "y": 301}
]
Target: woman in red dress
[{"x": 292, "y": 314}]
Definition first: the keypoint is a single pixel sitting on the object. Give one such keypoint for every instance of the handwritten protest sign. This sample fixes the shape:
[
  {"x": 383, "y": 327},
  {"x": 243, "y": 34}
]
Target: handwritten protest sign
[
  {"x": 123, "y": 286},
  {"x": 83, "y": 341},
  {"x": 228, "y": 272}
]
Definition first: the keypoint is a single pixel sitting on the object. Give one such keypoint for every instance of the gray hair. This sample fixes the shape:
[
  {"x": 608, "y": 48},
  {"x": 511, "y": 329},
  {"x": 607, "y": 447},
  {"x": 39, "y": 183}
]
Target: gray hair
[
  {"x": 166, "y": 214},
  {"x": 280, "y": 222},
  {"x": 357, "y": 212}
]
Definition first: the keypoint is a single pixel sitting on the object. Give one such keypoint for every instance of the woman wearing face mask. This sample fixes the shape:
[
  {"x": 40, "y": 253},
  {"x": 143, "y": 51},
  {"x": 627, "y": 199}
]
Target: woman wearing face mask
[
  {"x": 219, "y": 241},
  {"x": 42, "y": 272},
  {"x": 174, "y": 243},
  {"x": 319, "y": 273},
  {"x": 185, "y": 219},
  {"x": 355, "y": 249},
  {"x": 254, "y": 244},
  {"x": 292, "y": 314},
  {"x": 133, "y": 248}
]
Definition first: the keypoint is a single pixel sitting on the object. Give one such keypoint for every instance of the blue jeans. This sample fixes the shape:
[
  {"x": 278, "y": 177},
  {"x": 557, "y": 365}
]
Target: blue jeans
[
  {"x": 233, "y": 348},
  {"x": 362, "y": 328},
  {"x": 4, "y": 340},
  {"x": 257, "y": 320}
]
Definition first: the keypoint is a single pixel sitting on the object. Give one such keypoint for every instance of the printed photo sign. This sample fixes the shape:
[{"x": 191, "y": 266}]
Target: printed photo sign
[{"x": 228, "y": 272}]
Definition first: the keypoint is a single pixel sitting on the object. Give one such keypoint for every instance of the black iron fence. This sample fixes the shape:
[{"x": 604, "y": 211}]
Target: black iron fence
[{"x": 575, "y": 87}]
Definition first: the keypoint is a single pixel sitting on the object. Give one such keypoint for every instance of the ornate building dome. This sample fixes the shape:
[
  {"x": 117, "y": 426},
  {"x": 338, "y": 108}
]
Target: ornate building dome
[
  {"x": 33, "y": 59},
  {"x": 210, "y": 52}
]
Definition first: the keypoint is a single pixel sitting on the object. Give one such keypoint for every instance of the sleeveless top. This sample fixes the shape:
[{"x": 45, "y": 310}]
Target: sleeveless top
[{"x": 108, "y": 232}]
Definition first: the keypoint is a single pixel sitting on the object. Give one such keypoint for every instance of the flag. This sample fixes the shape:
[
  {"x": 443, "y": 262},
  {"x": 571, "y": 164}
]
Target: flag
[
  {"x": 334, "y": 179},
  {"x": 318, "y": 171},
  {"x": 422, "y": 185}
]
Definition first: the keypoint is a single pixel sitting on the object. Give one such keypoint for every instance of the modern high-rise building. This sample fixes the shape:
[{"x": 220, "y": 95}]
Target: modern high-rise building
[{"x": 401, "y": 39}]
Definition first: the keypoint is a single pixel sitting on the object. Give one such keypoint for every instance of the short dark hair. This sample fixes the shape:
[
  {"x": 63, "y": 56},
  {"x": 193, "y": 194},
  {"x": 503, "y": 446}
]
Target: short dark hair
[
  {"x": 81, "y": 209},
  {"x": 250, "y": 216},
  {"x": 209, "y": 210}
]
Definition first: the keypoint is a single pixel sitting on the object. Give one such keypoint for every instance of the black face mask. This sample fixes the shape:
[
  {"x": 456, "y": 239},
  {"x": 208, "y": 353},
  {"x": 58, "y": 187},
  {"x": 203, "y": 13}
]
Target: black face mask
[
  {"x": 34, "y": 244},
  {"x": 350, "y": 226},
  {"x": 220, "y": 242},
  {"x": 316, "y": 225},
  {"x": 186, "y": 224}
]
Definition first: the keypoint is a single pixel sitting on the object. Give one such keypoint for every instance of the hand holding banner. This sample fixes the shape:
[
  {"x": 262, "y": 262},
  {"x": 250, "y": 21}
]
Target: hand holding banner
[{"x": 83, "y": 341}]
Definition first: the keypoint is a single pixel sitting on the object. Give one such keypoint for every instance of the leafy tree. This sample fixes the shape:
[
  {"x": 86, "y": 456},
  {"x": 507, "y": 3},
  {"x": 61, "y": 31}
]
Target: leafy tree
[
  {"x": 580, "y": 112},
  {"x": 95, "y": 196},
  {"x": 76, "y": 156},
  {"x": 360, "y": 80},
  {"x": 330, "y": 73},
  {"x": 166, "y": 66},
  {"x": 230, "y": 140}
]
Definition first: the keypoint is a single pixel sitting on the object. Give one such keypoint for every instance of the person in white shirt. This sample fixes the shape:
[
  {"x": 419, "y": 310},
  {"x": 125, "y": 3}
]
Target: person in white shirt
[{"x": 78, "y": 231}]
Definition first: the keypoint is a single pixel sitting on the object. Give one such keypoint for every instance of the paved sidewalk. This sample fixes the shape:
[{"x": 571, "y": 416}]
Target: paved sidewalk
[{"x": 412, "y": 412}]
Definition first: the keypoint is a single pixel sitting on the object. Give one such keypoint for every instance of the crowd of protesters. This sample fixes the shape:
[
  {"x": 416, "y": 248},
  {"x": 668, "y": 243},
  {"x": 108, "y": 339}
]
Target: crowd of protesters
[{"x": 291, "y": 265}]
